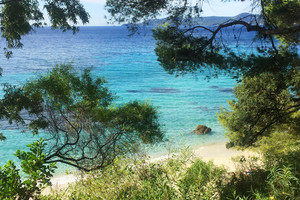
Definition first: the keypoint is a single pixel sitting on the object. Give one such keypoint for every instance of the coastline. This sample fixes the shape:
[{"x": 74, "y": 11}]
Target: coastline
[
  {"x": 217, "y": 152},
  {"x": 220, "y": 155}
]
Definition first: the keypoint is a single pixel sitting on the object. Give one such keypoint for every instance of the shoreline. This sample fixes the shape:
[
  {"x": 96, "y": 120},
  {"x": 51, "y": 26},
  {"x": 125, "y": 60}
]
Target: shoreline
[
  {"x": 217, "y": 152},
  {"x": 220, "y": 155}
]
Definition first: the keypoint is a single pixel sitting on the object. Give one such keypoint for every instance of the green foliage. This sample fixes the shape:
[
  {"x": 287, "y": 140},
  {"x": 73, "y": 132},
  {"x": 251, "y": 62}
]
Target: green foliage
[
  {"x": 136, "y": 11},
  {"x": 247, "y": 180},
  {"x": 283, "y": 184},
  {"x": 181, "y": 177},
  {"x": 18, "y": 18},
  {"x": 132, "y": 11},
  {"x": 2, "y": 137},
  {"x": 276, "y": 177},
  {"x": 141, "y": 118},
  {"x": 283, "y": 14},
  {"x": 202, "y": 181},
  {"x": 265, "y": 104},
  {"x": 61, "y": 88},
  {"x": 76, "y": 111},
  {"x": 123, "y": 11},
  {"x": 37, "y": 174},
  {"x": 139, "y": 179},
  {"x": 281, "y": 149},
  {"x": 176, "y": 179},
  {"x": 180, "y": 54},
  {"x": 279, "y": 12},
  {"x": 262, "y": 184}
]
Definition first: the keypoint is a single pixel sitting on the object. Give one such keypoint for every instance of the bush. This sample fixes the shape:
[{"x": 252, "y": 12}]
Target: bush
[
  {"x": 140, "y": 179},
  {"x": 202, "y": 181},
  {"x": 37, "y": 174},
  {"x": 281, "y": 149},
  {"x": 262, "y": 184},
  {"x": 183, "y": 178},
  {"x": 282, "y": 183}
]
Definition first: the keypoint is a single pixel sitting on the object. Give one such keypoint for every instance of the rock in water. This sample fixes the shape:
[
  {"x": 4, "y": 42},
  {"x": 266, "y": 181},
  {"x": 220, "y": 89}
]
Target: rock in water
[{"x": 202, "y": 129}]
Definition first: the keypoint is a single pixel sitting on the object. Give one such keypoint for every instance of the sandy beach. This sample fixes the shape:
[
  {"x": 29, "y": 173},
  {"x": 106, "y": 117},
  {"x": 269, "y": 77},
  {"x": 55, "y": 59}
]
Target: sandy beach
[{"x": 218, "y": 153}]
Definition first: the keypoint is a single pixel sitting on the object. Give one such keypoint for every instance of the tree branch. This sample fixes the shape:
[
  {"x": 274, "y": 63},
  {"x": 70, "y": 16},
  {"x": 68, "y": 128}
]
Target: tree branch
[{"x": 273, "y": 121}]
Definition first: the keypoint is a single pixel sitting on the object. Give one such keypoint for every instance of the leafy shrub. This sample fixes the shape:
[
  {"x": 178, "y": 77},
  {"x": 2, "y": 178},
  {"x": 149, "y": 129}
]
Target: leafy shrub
[
  {"x": 281, "y": 149},
  {"x": 140, "y": 179},
  {"x": 283, "y": 184},
  {"x": 184, "y": 178},
  {"x": 262, "y": 184},
  {"x": 37, "y": 174},
  {"x": 202, "y": 181}
]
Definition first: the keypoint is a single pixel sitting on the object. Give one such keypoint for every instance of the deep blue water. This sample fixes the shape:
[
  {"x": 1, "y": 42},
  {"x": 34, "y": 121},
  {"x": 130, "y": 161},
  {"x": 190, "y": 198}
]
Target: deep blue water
[{"x": 129, "y": 65}]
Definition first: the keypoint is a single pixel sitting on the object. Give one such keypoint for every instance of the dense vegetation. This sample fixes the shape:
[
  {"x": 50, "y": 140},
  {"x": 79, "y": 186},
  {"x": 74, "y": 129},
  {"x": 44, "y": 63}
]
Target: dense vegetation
[
  {"x": 181, "y": 177},
  {"x": 83, "y": 127},
  {"x": 38, "y": 174},
  {"x": 76, "y": 111}
]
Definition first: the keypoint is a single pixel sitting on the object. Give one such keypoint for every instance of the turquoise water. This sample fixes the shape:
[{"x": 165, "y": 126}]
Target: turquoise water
[{"x": 130, "y": 67}]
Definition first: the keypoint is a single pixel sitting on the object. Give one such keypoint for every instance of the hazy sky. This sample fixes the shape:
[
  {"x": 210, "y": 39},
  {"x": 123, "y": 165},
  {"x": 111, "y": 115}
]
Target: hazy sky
[{"x": 210, "y": 8}]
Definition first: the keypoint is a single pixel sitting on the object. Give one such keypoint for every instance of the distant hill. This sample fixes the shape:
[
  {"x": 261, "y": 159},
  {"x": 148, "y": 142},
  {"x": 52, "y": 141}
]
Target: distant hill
[
  {"x": 213, "y": 20},
  {"x": 208, "y": 21}
]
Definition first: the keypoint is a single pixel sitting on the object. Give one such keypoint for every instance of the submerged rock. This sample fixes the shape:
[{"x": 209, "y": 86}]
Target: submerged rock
[
  {"x": 164, "y": 90},
  {"x": 135, "y": 91},
  {"x": 229, "y": 90},
  {"x": 202, "y": 129}
]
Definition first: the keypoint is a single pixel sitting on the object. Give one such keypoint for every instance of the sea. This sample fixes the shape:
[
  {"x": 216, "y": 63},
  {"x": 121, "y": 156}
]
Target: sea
[{"x": 130, "y": 66}]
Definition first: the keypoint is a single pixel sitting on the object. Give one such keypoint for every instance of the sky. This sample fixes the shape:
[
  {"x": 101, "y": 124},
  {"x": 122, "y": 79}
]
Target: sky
[{"x": 210, "y": 8}]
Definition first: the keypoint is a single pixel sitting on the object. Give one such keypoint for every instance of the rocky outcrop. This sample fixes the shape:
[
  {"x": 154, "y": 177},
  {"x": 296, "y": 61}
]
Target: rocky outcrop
[{"x": 202, "y": 129}]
